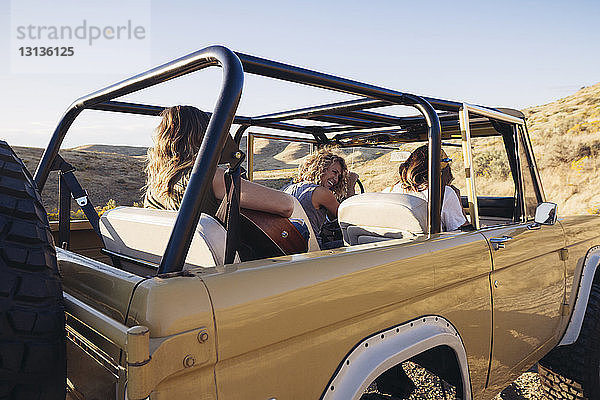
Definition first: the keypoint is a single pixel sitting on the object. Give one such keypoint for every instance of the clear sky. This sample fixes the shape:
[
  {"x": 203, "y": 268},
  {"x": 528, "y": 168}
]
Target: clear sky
[{"x": 511, "y": 53}]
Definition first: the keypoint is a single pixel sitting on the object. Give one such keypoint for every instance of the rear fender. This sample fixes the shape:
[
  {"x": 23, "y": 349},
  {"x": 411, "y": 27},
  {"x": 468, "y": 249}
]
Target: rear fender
[
  {"x": 384, "y": 350},
  {"x": 590, "y": 265}
]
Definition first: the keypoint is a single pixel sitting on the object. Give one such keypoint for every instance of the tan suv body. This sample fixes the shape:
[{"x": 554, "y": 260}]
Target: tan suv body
[{"x": 477, "y": 307}]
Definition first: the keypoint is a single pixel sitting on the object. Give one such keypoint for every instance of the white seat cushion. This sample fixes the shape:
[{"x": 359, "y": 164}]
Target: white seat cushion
[
  {"x": 143, "y": 233},
  {"x": 368, "y": 216}
]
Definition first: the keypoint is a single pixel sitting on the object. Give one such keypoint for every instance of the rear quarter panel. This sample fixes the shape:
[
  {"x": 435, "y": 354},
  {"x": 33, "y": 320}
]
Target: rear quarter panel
[{"x": 285, "y": 324}]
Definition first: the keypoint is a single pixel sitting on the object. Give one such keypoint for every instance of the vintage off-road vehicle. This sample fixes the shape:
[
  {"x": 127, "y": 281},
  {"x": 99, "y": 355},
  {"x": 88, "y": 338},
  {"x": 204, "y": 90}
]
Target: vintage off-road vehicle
[{"x": 163, "y": 304}]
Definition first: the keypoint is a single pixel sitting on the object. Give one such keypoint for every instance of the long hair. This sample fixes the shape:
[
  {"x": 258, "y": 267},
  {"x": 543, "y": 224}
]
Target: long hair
[
  {"x": 414, "y": 171},
  {"x": 177, "y": 140},
  {"x": 313, "y": 167}
]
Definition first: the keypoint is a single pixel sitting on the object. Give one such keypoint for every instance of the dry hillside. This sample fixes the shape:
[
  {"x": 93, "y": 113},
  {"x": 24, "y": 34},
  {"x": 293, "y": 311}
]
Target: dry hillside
[
  {"x": 105, "y": 176},
  {"x": 566, "y": 138}
]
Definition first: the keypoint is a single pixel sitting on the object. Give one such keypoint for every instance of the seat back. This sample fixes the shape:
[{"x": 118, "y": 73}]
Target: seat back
[
  {"x": 371, "y": 217},
  {"x": 313, "y": 244},
  {"x": 143, "y": 233}
]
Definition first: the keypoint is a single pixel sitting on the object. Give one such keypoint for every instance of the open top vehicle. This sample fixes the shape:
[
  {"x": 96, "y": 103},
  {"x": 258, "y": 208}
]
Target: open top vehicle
[{"x": 163, "y": 304}]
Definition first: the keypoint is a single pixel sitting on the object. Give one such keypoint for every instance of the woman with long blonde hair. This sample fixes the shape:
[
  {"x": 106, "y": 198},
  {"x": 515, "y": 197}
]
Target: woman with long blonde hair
[
  {"x": 177, "y": 141},
  {"x": 322, "y": 182}
]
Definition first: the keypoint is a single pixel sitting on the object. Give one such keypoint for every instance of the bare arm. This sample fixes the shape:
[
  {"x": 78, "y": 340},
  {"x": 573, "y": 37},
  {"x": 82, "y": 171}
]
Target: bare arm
[
  {"x": 352, "y": 178},
  {"x": 323, "y": 197},
  {"x": 257, "y": 197}
]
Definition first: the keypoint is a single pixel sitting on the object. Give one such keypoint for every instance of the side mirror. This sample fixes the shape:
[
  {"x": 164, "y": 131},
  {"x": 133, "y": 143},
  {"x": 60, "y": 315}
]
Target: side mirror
[{"x": 545, "y": 213}]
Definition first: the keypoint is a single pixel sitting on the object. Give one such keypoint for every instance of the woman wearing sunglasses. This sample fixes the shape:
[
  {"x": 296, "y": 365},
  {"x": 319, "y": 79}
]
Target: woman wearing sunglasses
[{"x": 414, "y": 180}]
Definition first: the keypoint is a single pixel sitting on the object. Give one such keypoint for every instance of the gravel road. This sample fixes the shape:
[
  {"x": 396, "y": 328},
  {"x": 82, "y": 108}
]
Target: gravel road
[{"x": 429, "y": 386}]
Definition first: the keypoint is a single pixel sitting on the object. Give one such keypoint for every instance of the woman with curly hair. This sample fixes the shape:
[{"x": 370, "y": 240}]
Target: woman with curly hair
[
  {"x": 322, "y": 182},
  {"x": 170, "y": 161}
]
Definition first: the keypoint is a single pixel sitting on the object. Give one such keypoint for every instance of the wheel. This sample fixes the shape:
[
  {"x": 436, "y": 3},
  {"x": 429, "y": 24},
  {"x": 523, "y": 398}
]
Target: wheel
[
  {"x": 573, "y": 372},
  {"x": 32, "y": 319}
]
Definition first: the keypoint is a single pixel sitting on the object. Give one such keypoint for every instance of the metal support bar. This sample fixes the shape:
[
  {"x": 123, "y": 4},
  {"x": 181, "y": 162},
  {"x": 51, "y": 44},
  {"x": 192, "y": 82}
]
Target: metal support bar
[
  {"x": 145, "y": 109},
  {"x": 192, "y": 62},
  {"x": 465, "y": 131},
  {"x": 113, "y": 330},
  {"x": 285, "y": 126},
  {"x": 128, "y": 108},
  {"x": 64, "y": 212},
  {"x": 332, "y": 108},
  {"x": 250, "y": 155},
  {"x": 536, "y": 172},
  {"x": 237, "y": 138},
  {"x": 434, "y": 134},
  {"x": 375, "y": 117},
  {"x": 287, "y": 138},
  {"x": 206, "y": 161},
  {"x": 285, "y": 72},
  {"x": 233, "y": 189},
  {"x": 348, "y": 121},
  {"x": 521, "y": 185},
  {"x": 486, "y": 112}
]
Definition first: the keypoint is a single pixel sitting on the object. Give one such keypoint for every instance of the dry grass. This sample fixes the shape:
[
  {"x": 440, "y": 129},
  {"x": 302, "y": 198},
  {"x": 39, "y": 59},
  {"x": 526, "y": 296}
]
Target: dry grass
[{"x": 566, "y": 139}]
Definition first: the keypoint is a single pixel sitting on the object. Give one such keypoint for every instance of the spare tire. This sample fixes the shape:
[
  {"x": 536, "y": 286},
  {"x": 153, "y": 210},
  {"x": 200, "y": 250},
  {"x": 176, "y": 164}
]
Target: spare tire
[{"x": 32, "y": 319}]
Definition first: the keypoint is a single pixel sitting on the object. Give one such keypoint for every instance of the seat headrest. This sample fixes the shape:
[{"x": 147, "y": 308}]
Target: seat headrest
[{"x": 386, "y": 215}]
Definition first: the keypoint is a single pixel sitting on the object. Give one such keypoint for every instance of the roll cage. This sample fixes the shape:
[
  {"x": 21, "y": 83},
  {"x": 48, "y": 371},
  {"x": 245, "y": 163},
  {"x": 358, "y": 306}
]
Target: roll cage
[{"x": 346, "y": 124}]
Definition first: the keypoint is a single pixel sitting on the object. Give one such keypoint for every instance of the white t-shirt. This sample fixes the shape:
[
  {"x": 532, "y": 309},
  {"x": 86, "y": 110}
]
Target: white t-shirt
[{"x": 452, "y": 212}]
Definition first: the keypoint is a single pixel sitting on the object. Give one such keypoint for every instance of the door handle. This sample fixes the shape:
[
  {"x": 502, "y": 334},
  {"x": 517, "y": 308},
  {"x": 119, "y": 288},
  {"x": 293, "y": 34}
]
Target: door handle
[{"x": 499, "y": 242}]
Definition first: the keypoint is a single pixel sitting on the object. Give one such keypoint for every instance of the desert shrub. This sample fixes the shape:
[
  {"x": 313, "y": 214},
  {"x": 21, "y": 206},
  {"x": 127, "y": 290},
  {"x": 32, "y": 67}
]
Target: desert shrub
[
  {"x": 110, "y": 204},
  {"x": 595, "y": 210},
  {"x": 491, "y": 163},
  {"x": 584, "y": 127},
  {"x": 560, "y": 152},
  {"x": 79, "y": 214}
]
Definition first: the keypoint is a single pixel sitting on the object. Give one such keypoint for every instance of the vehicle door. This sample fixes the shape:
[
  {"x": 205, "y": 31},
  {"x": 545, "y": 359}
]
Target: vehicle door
[{"x": 528, "y": 274}]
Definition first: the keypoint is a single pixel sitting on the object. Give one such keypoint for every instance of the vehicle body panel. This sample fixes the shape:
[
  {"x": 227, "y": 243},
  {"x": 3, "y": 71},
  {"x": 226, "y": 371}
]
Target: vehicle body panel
[
  {"x": 170, "y": 306},
  {"x": 93, "y": 360},
  {"x": 582, "y": 232},
  {"x": 528, "y": 291},
  {"x": 310, "y": 311}
]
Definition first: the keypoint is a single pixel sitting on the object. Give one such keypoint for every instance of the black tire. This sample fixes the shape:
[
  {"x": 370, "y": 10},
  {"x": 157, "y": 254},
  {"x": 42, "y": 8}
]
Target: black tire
[
  {"x": 573, "y": 372},
  {"x": 32, "y": 319}
]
